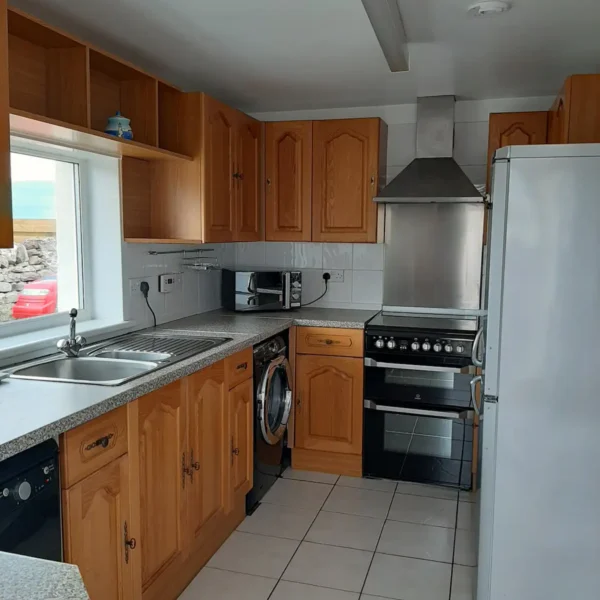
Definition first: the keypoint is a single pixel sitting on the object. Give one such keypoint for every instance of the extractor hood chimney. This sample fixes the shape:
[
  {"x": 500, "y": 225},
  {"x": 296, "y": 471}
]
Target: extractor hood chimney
[{"x": 433, "y": 176}]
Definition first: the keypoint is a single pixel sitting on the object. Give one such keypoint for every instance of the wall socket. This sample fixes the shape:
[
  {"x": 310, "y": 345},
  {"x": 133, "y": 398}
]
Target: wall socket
[
  {"x": 336, "y": 276},
  {"x": 134, "y": 286}
]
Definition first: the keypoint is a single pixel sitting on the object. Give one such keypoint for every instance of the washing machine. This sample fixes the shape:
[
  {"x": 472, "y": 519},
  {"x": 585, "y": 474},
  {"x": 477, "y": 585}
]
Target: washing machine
[{"x": 272, "y": 407}]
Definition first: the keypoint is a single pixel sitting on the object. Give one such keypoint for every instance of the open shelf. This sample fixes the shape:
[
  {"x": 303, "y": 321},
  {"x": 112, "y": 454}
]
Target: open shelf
[
  {"x": 54, "y": 131},
  {"x": 47, "y": 71},
  {"x": 116, "y": 86}
]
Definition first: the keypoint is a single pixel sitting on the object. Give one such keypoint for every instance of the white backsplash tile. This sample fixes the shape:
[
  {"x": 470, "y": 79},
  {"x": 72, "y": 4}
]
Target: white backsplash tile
[
  {"x": 228, "y": 255},
  {"x": 312, "y": 284},
  {"x": 367, "y": 286},
  {"x": 337, "y": 256},
  {"x": 368, "y": 257},
  {"x": 250, "y": 254},
  {"x": 308, "y": 255},
  {"x": 279, "y": 254},
  {"x": 338, "y": 291}
]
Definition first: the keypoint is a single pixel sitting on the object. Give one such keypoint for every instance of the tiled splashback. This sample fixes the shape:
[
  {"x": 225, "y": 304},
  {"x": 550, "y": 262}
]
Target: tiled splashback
[{"x": 361, "y": 264}]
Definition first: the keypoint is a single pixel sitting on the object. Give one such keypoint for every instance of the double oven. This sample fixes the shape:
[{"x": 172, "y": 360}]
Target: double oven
[{"x": 419, "y": 399}]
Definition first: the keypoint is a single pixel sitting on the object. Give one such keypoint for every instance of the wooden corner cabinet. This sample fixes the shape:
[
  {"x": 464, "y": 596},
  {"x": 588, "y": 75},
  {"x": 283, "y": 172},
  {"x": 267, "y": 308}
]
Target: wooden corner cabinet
[
  {"x": 515, "y": 129},
  {"x": 288, "y": 171},
  {"x": 347, "y": 165},
  {"x": 328, "y": 414}
]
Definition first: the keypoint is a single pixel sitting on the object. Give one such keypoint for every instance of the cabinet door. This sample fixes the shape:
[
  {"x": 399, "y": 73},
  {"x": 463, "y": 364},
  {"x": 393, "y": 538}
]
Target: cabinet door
[
  {"x": 218, "y": 188},
  {"x": 209, "y": 451},
  {"x": 288, "y": 170},
  {"x": 157, "y": 442},
  {"x": 581, "y": 110},
  {"x": 515, "y": 129},
  {"x": 6, "y": 224},
  {"x": 248, "y": 197},
  {"x": 241, "y": 436},
  {"x": 96, "y": 512},
  {"x": 329, "y": 403},
  {"x": 558, "y": 124},
  {"x": 345, "y": 178}
]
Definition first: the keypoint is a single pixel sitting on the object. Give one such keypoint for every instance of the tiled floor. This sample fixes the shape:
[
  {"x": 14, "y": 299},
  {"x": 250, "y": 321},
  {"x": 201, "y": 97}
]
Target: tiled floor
[{"x": 326, "y": 537}]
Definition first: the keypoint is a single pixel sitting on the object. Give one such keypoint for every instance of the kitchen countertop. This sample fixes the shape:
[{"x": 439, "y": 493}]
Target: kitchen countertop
[
  {"x": 24, "y": 578},
  {"x": 34, "y": 411}
]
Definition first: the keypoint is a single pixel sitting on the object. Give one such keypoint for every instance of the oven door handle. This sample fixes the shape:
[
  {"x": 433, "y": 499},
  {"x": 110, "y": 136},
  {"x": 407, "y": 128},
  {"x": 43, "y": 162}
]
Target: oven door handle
[
  {"x": 422, "y": 412},
  {"x": 370, "y": 362}
]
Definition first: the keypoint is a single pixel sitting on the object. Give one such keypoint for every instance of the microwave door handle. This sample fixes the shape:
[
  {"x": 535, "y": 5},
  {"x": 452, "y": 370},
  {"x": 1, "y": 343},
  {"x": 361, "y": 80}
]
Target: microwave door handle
[
  {"x": 287, "y": 290},
  {"x": 421, "y": 412},
  {"x": 478, "y": 362}
]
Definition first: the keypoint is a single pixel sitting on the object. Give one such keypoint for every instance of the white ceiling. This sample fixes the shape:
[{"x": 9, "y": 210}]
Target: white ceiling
[{"x": 265, "y": 55}]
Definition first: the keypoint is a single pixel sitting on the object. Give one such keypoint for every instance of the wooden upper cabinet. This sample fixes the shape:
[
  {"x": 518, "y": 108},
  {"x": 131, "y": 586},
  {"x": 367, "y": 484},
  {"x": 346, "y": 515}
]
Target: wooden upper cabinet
[
  {"x": 345, "y": 178},
  {"x": 158, "y": 455},
  {"x": 288, "y": 171},
  {"x": 208, "y": 451},
  {"x": 96, "y": 518},
  {"x": 515, "y": 129},
  {"x": 329, "y": 403},
  {"x": 247, "y": 175},
  {"x": 575, "y": 115},
  {"x": 241, "y": 450},
  {"x": 6, "y": 225},
  {"x": 218, "y": 168}
]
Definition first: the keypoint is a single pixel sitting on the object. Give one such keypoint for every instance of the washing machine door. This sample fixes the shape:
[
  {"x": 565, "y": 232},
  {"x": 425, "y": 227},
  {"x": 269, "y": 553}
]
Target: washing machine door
[{"x": 274, "y": 400}]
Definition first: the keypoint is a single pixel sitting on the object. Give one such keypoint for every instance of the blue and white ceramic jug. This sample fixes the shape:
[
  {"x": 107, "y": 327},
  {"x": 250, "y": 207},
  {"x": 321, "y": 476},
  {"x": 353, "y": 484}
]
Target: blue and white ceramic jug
[{"x": 119, "y": 126}]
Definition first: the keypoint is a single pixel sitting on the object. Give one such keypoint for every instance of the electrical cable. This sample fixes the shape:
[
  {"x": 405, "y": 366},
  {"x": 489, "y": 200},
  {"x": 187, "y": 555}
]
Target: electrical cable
[
  {"x": 326, "y": 277},
  {"x": 145, "y": 288}
]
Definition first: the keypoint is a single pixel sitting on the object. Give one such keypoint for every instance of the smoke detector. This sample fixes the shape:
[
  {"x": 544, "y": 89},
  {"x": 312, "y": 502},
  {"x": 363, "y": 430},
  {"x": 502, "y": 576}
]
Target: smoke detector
[{"x": 489, "y": 8}]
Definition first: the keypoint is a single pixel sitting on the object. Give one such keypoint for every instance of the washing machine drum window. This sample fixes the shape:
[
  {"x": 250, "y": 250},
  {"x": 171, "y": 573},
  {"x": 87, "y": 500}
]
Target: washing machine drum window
[{"x": 274, "y": 400}]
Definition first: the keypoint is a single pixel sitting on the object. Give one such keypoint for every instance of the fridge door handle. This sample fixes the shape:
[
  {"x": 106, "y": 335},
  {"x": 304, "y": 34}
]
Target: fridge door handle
[
  {"x": 473, "y": 384},
  {"x": 478, "y": 362}
]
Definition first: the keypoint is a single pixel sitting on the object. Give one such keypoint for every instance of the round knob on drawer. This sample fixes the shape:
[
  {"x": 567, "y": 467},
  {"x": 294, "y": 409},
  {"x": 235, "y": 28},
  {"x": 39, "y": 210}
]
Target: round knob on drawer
[
  {"x": 437, "y": 347},
  {"x": 415, "y": 346},
  {"x": 379, "y": 343},
  {"x": 391, "y": 344},
  {"x": 448, "y": 348},
  {"x": 23, "y": 491}
]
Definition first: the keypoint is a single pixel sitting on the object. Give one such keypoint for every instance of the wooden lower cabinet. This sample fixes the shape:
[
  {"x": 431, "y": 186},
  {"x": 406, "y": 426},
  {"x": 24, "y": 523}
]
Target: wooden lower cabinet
[
  {"x": 158, "y": 447},
  {"x": 329, "y": 404},
  {"x": 241, "y": 438},
  {"x": 97, "y": 522}
]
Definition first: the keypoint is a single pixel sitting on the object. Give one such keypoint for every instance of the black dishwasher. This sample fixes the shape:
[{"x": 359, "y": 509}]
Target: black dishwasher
[{"x": 30, "y": 503}]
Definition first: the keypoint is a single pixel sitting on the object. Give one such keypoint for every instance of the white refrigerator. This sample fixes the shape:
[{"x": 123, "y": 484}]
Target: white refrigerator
[{"x": 539, "y": 528}]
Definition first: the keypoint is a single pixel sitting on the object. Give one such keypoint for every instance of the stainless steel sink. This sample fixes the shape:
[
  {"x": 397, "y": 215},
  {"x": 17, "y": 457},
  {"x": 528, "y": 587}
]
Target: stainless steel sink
[
  {"x": 99, "y": 371},
  {"x": 120, "y": 360}
]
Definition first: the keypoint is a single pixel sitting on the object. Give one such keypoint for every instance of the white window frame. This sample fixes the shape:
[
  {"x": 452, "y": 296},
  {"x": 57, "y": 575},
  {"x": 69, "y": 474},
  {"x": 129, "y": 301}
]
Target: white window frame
[{"x": 85, "y": 313}]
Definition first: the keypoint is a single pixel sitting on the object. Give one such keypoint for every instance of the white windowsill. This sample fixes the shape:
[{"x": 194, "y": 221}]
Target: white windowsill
[{"x": 30, "y": 345}]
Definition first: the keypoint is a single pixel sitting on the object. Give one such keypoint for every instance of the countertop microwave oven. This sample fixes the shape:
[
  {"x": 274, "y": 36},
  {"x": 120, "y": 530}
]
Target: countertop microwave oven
[{"x": 247, "y": 291}]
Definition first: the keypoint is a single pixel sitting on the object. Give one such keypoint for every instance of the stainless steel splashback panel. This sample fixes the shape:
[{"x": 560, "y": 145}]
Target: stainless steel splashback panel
[{"x": 433, "y": 256}]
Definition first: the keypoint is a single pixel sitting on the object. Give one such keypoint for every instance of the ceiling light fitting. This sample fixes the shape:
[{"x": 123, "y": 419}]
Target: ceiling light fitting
[
  {"x": 489, "y": 8},
  {"x": 386, "y": 21}
]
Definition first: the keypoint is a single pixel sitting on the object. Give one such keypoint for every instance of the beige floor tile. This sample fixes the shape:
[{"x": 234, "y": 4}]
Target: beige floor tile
[
  {"x": 427, "y": 511},
  {"x": 349, "y": 531},
  {"x": 467, "y": 516},
  {"x": 254, "y": 554},
  {"x": 431, "y": 491},
  {"x": 408, "y": 578},
  {"x": 465, "y": 551},
  {"x": 354, "y": 501},
  {"x": 299, "y": 494},
  {"x": 290, "y": 590},
  {"x": 462, "y": 583},
  {"x": 379, "y": 485},
  {"x": 279, "y": 521},
  {"x": 225, "y": 585},
  {"x": 313, "y": 476},
  {"x": 468, "y": 496},
  {"x": 329, "y": 566},
  {"x": 417, "y": 541}
]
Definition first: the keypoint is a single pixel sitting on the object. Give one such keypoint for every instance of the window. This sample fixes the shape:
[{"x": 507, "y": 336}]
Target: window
[{"x": 43, "y": 273}]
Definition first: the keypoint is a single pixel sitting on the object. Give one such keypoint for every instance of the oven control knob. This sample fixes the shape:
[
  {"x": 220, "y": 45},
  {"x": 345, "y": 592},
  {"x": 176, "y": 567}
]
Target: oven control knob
[
  {"x": 379, "y": 343},
  {"x": 391, "y": 344},
  {"x": 460, "y": 348},
  {"x": 5, "y": 492},
  {"x": 437, "y": 347},
  {"x": 448, "y": 348},
  {"x": 23, "y": 491},
  {"x": 426, "y": 346},
  {"x": 415, "y": 346}
]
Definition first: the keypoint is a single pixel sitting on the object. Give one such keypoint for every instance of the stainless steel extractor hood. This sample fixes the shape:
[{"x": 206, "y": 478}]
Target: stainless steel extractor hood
[{"x": 434, "y": 176}]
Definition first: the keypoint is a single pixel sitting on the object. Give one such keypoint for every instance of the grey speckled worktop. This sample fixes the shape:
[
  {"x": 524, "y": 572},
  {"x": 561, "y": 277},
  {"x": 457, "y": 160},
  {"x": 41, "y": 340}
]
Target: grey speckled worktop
[
  {"x": 34, "y": 411},
  {"x": 24, "y": 578}
]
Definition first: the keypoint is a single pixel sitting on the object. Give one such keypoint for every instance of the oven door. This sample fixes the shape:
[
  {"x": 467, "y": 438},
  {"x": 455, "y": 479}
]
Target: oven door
[{"x": 418, "y": 423}]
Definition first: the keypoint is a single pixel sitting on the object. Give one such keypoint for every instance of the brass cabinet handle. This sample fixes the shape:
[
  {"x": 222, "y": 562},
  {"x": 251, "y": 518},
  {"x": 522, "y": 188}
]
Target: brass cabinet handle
[
  {"x": 184, "y": 471},
  {"x": 373, "y": 180},
  {"x": 242, "y": 367},
  {"x": 298, "y": 402},
  {"x": 130, "y": 543},
  {"x": 103, "y": 441},
  {"x": 268, "y": 182},
  {"x": 194, "y": 466},
  {"x": 232, "y": 451}
]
